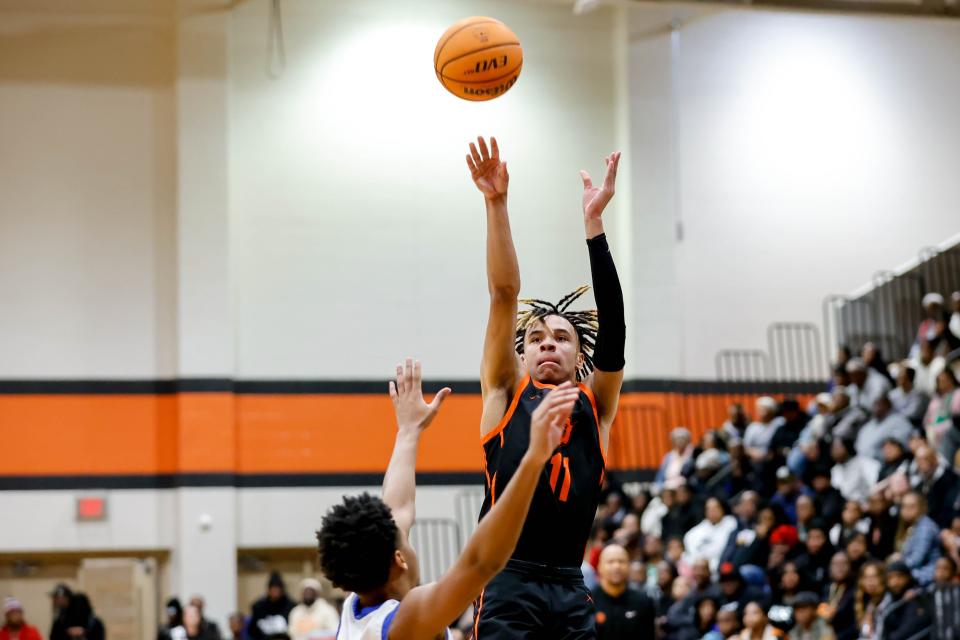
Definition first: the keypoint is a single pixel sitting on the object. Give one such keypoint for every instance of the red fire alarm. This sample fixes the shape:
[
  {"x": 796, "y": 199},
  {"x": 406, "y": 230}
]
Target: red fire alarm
[{"x": 91, "y": 509}]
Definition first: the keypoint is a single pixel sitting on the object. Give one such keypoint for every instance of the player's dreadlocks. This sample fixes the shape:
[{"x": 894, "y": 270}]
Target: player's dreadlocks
[{"x": 585, "y": 323}]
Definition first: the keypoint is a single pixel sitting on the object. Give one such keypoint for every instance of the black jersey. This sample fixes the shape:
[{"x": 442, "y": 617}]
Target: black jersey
[{"x": 565, "y": 501}]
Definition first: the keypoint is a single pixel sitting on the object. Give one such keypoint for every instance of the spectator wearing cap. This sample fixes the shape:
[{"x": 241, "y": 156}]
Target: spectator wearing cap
[
  {"x": 789, "y": 490},
  {"x": 944, "y": 596},
  {"x": 838, "y": 596},
  {"x": 271, "y": 612},
  {"x": 784, "y": 539},
  {"x": 866, "y": 385},
  {"x": 735, "y": 591},
  {"x": 853, "y": 475},
  {"x": 173, "y": 611},
  {"x": 759, "y": 435},
  {"x": 676, "y": 459},
  {"x": 885, "y": 423},
  {"x": 622, "y": 612},
  {"x": 808, "y": 625},
  {"x": 901, "y": 614},
  {"x": 707, "y": 480},
  {"x": 918, "y": 538},
  {"x": 814, "y": 562},
  {"x": 934, "y": 325},
  {"x": 938, "y": 483},
  {"x": 314, "y": 618},
  {"x": 907, "y": 399},
  {"x": 708, "y": 539},
  {"x": 60, "y": 597},
  {"x": 15, "y": 627}
]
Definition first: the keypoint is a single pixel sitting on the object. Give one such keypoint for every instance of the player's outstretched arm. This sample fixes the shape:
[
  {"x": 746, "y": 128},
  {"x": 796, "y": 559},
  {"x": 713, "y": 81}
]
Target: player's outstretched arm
[
  {"x": 414, "y": 415},
  {"x": 427, "y": 610},
  {"x": 608, "y": 354},
  {"x": 499, "y": 370}
]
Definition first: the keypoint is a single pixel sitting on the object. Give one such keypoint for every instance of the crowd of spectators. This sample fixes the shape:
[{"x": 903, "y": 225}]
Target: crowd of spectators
[{"x": 839, "y": 520}]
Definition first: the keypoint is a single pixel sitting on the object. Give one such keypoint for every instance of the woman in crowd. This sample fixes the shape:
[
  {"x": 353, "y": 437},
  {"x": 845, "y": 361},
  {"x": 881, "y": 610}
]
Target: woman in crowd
[
  {"x": 870, "y": 590},
  {"x": 756, "y": 626}
]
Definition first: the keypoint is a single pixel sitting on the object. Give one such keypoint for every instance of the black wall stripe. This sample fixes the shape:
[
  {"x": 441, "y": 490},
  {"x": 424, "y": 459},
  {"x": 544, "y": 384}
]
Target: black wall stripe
[
  {"x": 359, "y": 387},
  {"x": 251, "y": 481}
]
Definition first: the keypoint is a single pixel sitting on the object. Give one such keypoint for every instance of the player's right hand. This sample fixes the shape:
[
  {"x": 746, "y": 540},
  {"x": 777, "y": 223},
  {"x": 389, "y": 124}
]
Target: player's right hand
[
  {"x": 549, "y": 420},
  {"x": 488, "y": 173}
]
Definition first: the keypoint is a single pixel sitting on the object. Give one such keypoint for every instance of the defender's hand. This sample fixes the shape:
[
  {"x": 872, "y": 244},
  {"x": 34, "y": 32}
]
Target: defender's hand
[
  {"x": 413, "y": 413},
  {"x": 595, "y": 199},
  {"x": 488, "y": 173},
  {"x": 547, "y": 424}
]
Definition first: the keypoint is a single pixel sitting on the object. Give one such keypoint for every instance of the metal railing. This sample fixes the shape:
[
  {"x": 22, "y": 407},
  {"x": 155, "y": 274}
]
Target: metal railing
[
  {"x": 466, "y": 506},
  {"x": 795, "y": 354},
  {"x": 438, "y": 543},
  {"x": 742, "y": 365}
]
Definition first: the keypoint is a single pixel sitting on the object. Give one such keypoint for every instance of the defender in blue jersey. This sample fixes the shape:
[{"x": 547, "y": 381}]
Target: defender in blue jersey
[
  {"x": 541, "y": 593},
  {"x": 364, "y": 546}
]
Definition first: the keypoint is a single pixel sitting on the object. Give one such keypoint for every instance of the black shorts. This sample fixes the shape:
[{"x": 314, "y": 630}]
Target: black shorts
[{"x": 535, "y": 602}]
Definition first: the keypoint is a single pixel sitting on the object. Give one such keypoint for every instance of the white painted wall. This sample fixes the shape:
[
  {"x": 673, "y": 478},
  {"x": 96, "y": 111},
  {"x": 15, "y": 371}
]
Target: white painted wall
[
  {"x": 812, "y": 151},
  {"x": 359, "y": 237}
]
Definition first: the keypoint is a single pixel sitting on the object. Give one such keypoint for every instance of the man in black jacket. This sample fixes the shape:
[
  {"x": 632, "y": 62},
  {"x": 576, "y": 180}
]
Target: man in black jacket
[
  {"x": 271, "y": 612},
  {"x": 904, "y": 612},
  {"x": 621, "y": 612}
]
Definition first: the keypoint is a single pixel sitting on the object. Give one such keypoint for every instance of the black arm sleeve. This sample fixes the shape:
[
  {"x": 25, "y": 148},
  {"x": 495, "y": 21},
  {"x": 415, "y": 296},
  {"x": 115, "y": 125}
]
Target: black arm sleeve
[{"x": 608, "y": 355}]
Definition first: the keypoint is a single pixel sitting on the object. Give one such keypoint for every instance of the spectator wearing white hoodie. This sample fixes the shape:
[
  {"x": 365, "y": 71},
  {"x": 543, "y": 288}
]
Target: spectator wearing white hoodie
[{"x": 707, "y": 540}]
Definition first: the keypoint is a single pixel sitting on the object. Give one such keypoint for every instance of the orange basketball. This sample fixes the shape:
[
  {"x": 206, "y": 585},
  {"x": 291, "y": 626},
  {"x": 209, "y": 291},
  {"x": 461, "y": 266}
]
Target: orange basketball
[{"x": 478, "y": 59}]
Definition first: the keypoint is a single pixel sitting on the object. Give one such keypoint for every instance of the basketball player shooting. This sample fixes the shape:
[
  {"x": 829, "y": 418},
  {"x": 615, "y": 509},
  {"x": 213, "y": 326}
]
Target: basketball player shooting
[
  {"x": 364, "y": 541},
  {"x": 541, "y": 593}
]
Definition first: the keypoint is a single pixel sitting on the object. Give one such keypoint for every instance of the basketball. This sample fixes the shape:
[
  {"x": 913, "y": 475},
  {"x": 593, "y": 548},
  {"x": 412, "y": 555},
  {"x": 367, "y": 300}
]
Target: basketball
[{"x": 478, "y": 59}]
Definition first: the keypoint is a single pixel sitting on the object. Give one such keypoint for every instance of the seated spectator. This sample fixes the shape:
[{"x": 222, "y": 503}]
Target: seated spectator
[
  {"x": 938, "y": 483},
  {"x": 746, "y": 545},
  {"x": 944, "y": 405},
  {"x": 270, "y": 613},
  {"x": 702, "y": 576},
  {"x": 680, "y": 614},
  {"x": 845, "y": 417},
  {"x": 852, "y": 475},
  {"x": 81, "y": 621},
  {"x": 676, "y": 459},
  {"x": 871, "y": 588},
  {"x": 838, "y": 608},
  {"x": 788, "y": 490},
  {"x": 806, "y": 446},
  {"x": 950, "y": 539},
  {"x": 621, "y": 612},
  {"x": 907, "y": 399},
  {"x": 676, "y": 555},
  {"x": 944, "y": 597},
  {"x": 918, "y": 538},
  {"x": 788, "y": 585},
  {"x": 794, "y": 421},
  {"x": 857, "y": 551},
  {"x": 15, "y": 627},
  {"x": 314, "y": 618},
  {"x": 866, "y": 385},
  {"x": 663, "y": 594},
  {"x": 707, "y": 480},
  {"x": 638, "y": 576},
  {"x": 705, "y": 617},
  {"x": 933, "y": 327},
  {"x": 926, "y": 366},
  {"x": 893, "y": 459},
  {"x": 809, "y": 626},
  {"x": 827, "y": 500},
  {"x": 736, "y": 425},
  {"x": 193, "y": 627},
  {"x": 784, "y": 540},
  {"x": 651, "y": 521},
  {"x": 873, "y": 358},
  {"x": 814, "y": 562},
  {"x": 756, "y": 626},
  {"x": 954, "y": 324},
  {"x": 628, "y": 535},
  {"x": 885, "y": 423},
  {"x": 851, "y": 521},
  {"x": 806, "y": 512},
  {"x": 683, "y": 515},
  {"x": 708, "y": 539},
  {"x": 734, "y": 589},
  {"x": 901, "y": 615},
  {"x": 238, "y": 626},
  {"x": 728, "y": 624},
  {"x": 757, "y": 439},
  {"x": 174, "y": 618},
  {"x": 883, "y": 526},
  {"x": 208, "y": 625}
]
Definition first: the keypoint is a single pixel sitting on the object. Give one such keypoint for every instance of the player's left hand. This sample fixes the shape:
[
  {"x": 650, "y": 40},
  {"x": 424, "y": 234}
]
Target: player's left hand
[
  {"x": 595, "y": 199},
  {"x": 406, "y": 392}
]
